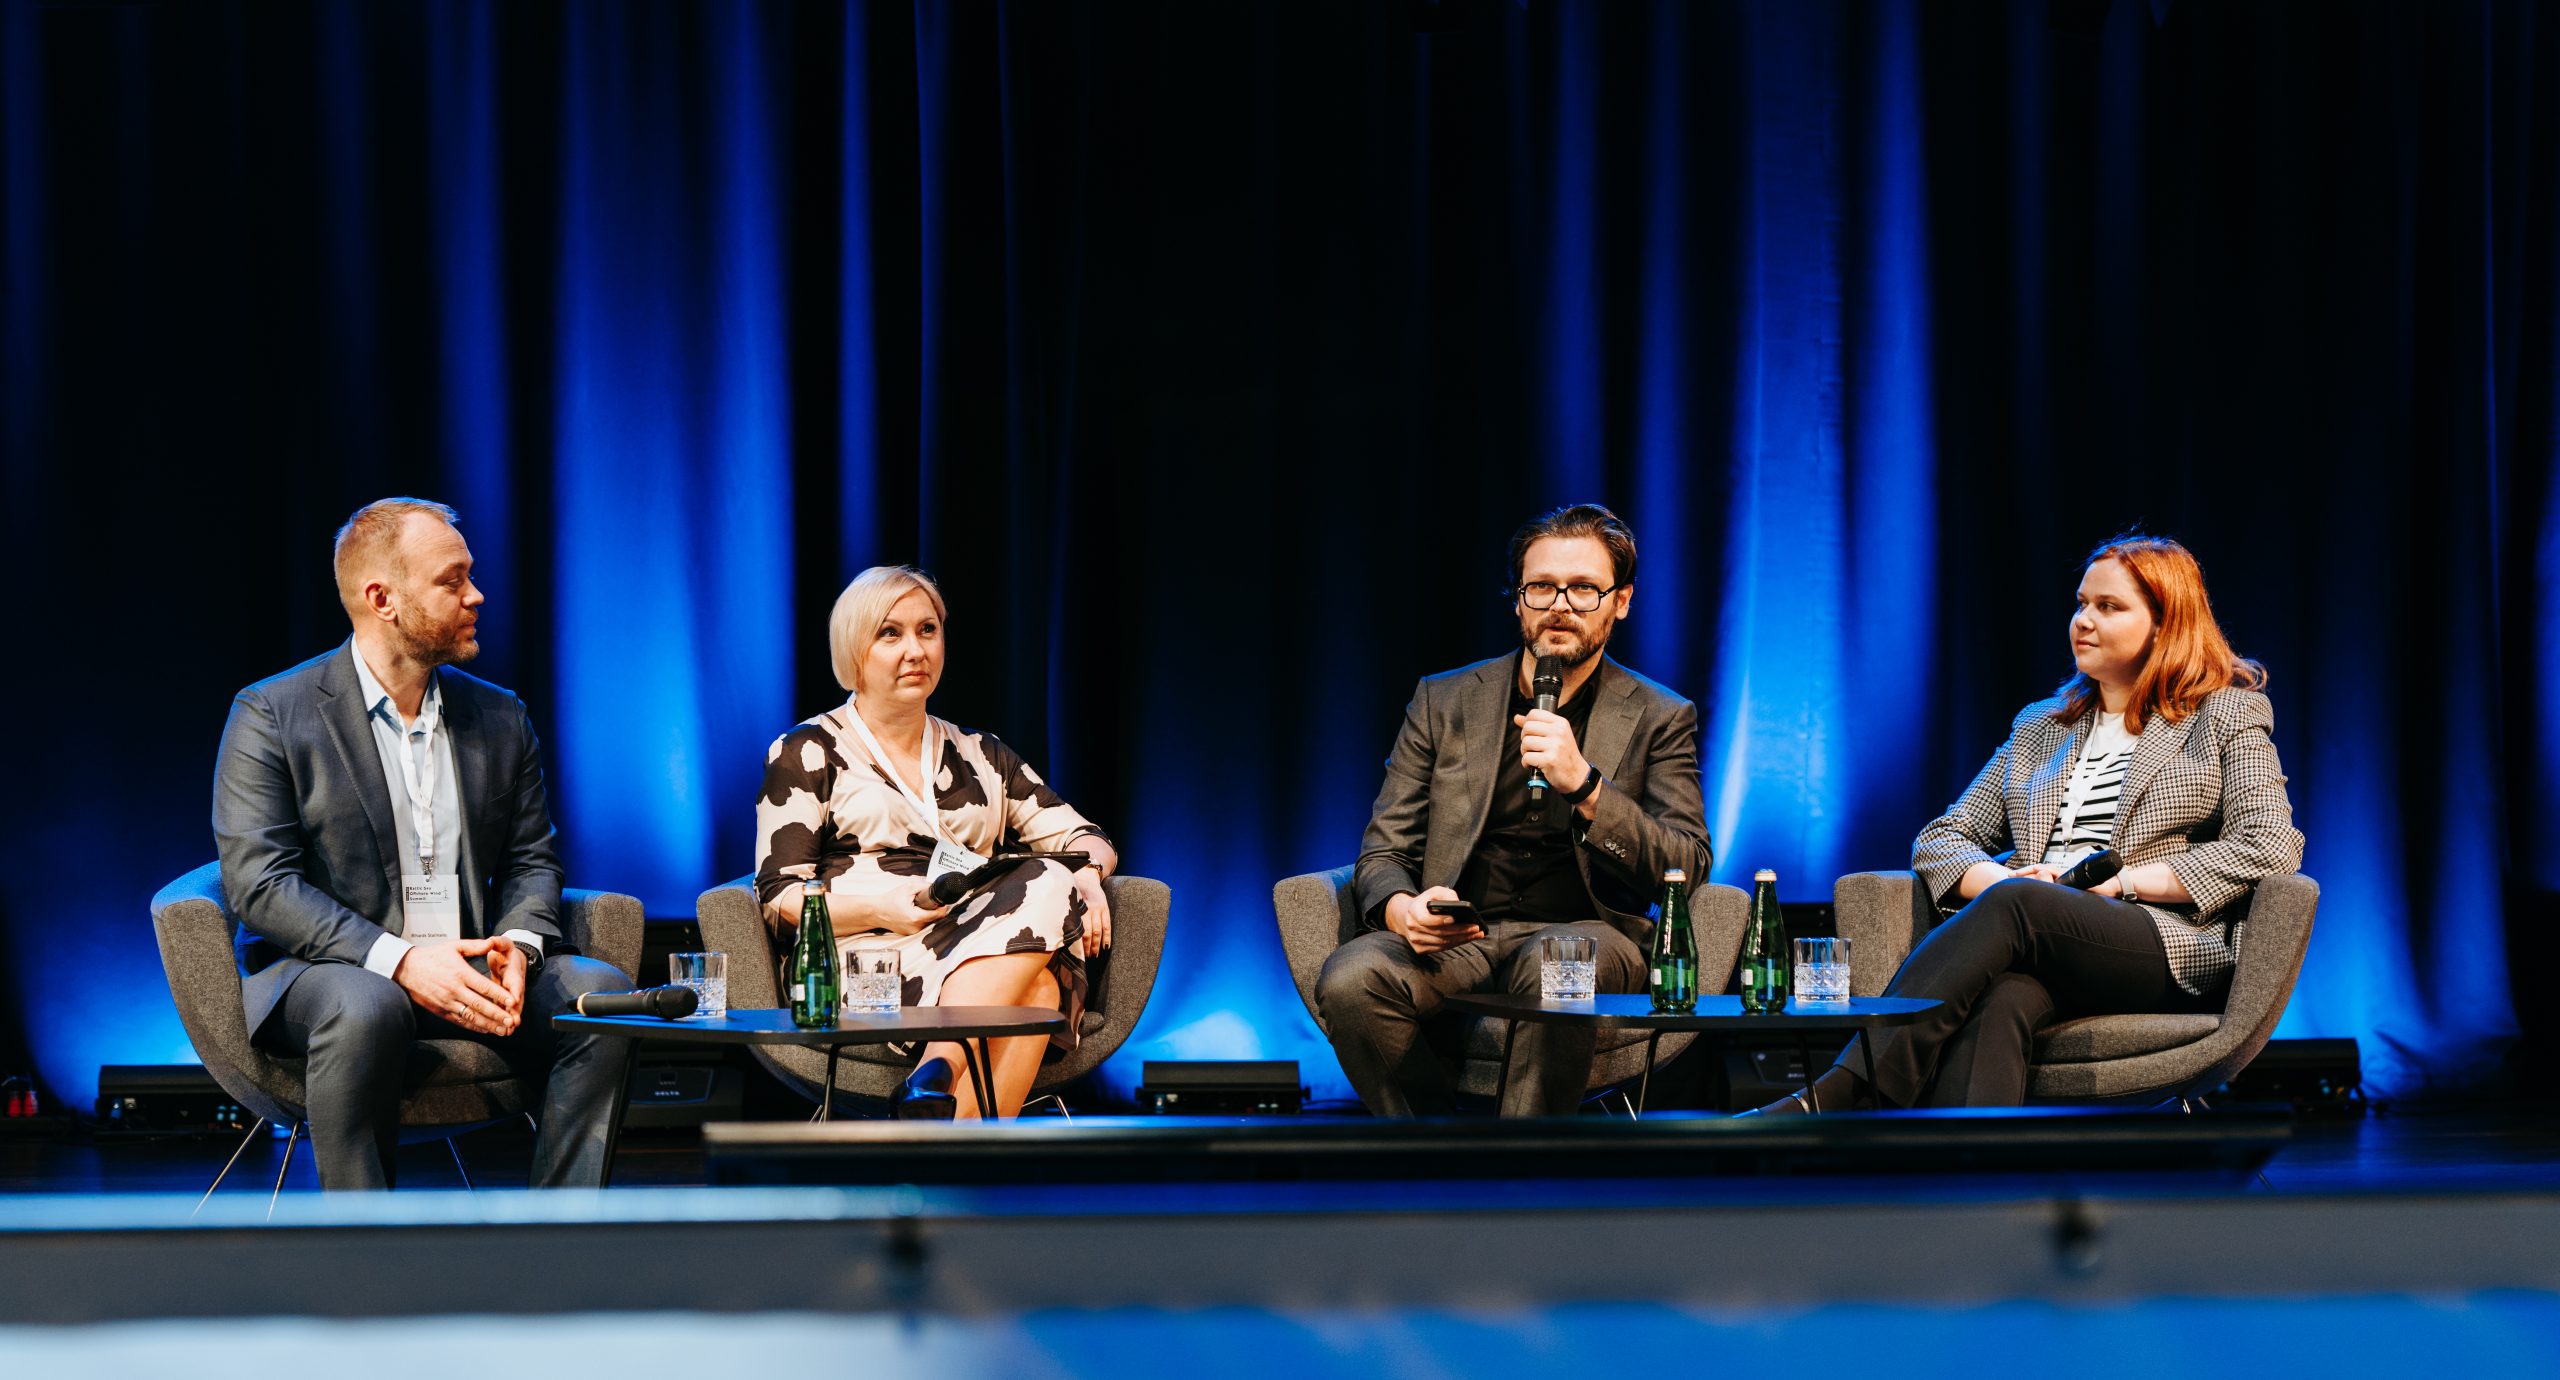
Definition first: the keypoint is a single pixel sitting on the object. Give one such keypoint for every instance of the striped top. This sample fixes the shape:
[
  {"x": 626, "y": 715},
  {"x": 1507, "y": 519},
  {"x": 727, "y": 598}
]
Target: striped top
[{"x": 2087, "y": 821}]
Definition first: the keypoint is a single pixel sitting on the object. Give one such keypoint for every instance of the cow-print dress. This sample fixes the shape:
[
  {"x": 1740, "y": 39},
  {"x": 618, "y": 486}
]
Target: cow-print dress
[{"x": 830, "y": 814}]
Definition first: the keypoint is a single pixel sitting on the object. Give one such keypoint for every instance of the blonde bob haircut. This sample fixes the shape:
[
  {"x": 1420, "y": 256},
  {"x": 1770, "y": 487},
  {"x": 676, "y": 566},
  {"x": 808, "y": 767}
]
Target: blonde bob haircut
[{"x": 863, "y": 607}]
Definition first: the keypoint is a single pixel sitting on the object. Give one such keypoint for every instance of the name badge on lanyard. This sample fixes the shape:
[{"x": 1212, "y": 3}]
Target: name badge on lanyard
[
  {"x": 430, "y": 902},
  {"x": 430, "y": 908},
  {"x": 947, "y": 855}
]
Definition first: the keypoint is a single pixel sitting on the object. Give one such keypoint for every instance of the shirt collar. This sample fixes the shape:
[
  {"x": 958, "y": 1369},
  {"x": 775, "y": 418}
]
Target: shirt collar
[{"x": 378, "y": 700}]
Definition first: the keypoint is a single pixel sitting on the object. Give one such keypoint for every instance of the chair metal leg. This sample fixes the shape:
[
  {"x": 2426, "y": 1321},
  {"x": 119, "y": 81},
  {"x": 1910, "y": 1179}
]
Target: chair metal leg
[
  {"x": 1630, "y": 1104},
  {"x": 254, "y": 1128},
  {"x": 1050, "y": 1097},
  {"x": 290, "y": 1137},
  {"x": 458, "y": 1166}
]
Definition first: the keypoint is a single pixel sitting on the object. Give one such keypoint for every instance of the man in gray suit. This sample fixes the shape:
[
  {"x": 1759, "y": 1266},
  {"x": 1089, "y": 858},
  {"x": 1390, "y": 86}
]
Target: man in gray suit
[
  {"x": 387, "y": 851},
  {"x": 1458, "y": 819}
]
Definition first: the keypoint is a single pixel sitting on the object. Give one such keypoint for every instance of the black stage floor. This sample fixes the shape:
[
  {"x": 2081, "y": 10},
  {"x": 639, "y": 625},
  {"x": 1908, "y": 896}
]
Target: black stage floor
[
  {"x": 2471, "y": 1146},
  {"x": 2374, "y": 1245}
]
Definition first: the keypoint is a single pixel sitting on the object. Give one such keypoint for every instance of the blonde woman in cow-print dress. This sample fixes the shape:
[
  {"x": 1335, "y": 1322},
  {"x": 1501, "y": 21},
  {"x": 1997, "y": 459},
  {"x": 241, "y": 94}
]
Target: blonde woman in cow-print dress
[{"x": 837, "y": 816}]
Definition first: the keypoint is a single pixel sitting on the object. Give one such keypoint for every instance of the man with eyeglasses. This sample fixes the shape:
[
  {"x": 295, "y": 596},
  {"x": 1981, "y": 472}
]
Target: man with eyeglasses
[{"x": 1461, "y": 817}]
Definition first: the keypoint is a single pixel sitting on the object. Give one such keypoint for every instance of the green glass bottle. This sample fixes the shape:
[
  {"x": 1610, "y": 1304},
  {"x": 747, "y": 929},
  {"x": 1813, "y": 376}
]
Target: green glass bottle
[
  {"x": 1675, "y": 948},
  {"x": 813, "y": 966},
  {"x": 1764, "y": 948}
]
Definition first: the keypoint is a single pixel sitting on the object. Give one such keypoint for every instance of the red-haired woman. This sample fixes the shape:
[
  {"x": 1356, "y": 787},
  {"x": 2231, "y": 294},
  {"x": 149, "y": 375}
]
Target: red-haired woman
[{"x": 2157, "y": 747}]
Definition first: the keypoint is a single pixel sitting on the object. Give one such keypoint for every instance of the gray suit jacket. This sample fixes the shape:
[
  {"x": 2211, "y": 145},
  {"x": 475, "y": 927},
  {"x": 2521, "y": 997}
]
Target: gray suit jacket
[
  {"x": 1440, "y": 781},
  {"x": 2205, "y": 794},
  {"x": 302, "y": 822}
]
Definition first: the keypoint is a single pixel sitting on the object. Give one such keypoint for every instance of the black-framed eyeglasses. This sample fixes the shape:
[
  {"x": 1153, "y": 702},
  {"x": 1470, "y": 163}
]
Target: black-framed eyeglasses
[{"x": 1541, "y": 594}]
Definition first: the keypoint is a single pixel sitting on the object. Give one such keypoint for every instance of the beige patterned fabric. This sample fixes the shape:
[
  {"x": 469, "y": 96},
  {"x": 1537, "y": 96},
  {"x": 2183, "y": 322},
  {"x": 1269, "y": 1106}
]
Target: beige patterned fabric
[
  {"x": 832, "y": 816},
  {"x": 2205, "y": 794}
]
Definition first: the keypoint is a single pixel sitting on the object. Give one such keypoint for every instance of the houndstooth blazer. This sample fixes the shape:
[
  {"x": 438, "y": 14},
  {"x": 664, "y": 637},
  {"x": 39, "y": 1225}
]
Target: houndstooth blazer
[{"x": 2206, "y": 795}]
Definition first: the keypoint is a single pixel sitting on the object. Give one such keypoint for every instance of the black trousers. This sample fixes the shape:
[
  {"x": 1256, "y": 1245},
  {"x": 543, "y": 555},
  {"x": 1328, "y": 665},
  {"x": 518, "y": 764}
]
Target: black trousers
[
  {"x": 357, "y": 1033},
  {"x": 2024, "y": 955}
]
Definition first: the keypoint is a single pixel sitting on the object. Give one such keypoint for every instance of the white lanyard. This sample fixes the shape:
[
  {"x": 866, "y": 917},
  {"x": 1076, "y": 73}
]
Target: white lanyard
[
  {"x": 419, "y": 777},
  {"x": 924, "y": 776}
]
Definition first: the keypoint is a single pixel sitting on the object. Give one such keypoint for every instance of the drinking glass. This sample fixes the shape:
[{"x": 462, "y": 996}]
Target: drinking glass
[
  {"x": 1568, "y": 967},
  {"x": 708, "y": 975},
  {"x": 871, "y": 982},
  {"x": 1822, "y": 971}
]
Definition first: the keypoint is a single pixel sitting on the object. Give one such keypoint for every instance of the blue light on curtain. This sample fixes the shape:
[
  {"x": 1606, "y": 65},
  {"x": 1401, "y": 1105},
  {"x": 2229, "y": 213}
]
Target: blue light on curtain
[
  {"x": 1667, "y": 460},
  {"x": 1889, "y": 594},
  {"x": 858, "y": 457},
  {"x": 1571, "y": 400},
  {"x": 672, "y": 496},
  {"x": 471, "y": 280},
  {"x": 1776, "y": 728}
]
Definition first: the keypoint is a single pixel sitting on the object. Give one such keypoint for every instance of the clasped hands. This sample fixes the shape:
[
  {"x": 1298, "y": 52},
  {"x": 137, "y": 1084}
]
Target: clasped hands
[{"x": 439, "y": 978}]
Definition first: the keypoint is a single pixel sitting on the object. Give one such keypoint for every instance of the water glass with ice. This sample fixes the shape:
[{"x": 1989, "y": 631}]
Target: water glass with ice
[
  {"x": 1568, "y": 967},
  {"x": 1822, "y": 971},
  {"x": 708, "y": 976},
  {"x": 871, "y": 982}
]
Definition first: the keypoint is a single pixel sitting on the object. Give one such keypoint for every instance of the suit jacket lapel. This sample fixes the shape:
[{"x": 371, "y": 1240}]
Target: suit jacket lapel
[
  {"x": 1486, "y": 709},
  {"x": 2159, "y": 742},
  {"x": 1613, "y": 719},
  {"x": 351, "y": 732},
  {"x": 2046, "y": 790},
  {"x": 470, "y": 789}
]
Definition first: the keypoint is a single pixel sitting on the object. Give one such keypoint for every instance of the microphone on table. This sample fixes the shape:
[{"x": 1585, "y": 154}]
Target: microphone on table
[
  {"x": 1547, "y": 683},
  {"x": 666, "y": 1003}
]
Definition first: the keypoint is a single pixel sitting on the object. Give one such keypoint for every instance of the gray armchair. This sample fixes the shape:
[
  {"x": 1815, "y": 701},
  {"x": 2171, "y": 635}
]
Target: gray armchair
[
  {"x": 455, "y": 1086},
  {"x": 1318, "y": 911},
  {"x": 1118, "y": 984},
  {"x": 2150, "y": 1058}
]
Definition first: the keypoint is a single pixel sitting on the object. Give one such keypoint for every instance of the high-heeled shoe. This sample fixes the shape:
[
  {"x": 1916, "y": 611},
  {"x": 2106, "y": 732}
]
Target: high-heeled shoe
[
  {"x": 926, "y": 1094},
  {"x": 1793, "y": 1104}
]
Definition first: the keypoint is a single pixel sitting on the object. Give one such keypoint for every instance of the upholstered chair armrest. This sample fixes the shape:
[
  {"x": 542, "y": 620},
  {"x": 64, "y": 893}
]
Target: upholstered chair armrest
[
  {"x": 1314, "y": 910},
  {"x": 1126, "y": 974},
  {"x": 1884, "y": 916},
  {"x": 733, "y": 924},
  {"x": 194, "y": 932},
  {"x": 1718, "y": 915},
  {"x": 606, "y": 926}
]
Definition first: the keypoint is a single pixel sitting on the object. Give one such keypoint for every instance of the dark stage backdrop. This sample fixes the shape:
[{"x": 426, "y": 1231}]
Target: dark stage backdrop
[{"x": 1209, "y": 352}]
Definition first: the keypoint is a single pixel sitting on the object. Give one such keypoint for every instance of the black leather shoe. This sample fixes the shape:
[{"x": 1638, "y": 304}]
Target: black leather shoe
[{"x": 926, "y": 1095}]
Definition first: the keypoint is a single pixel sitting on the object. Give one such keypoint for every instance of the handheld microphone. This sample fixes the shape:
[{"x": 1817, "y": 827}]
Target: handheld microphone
[
  {"x": 2092, "y": 870},
  {"x": 665, "y": 1003},
  {"x": 948, "y": 888},
  {"x": 1547, "y": 683}
]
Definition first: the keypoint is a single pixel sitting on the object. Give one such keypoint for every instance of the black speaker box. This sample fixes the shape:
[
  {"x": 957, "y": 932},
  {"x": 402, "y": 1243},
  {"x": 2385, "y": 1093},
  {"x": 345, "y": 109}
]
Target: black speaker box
[{"x": 1209, "y": 1087}]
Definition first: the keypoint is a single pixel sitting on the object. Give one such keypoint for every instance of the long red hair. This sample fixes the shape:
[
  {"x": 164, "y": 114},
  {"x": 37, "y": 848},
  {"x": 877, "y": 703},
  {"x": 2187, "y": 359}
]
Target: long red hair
[{"x": 2190, "y": 658}]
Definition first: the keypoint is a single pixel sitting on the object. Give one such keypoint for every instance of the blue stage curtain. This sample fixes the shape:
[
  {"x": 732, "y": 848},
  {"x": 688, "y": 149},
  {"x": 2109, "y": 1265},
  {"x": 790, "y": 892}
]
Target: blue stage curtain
[{"x": 1209, "y": 354}]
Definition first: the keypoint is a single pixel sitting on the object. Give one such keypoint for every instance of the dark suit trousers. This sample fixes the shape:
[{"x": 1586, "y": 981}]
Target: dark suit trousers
[
  {"x": 2024, "y": 955},
  {"x": 357, "y": 1032},
  {"x": 1376, "y": 993}
]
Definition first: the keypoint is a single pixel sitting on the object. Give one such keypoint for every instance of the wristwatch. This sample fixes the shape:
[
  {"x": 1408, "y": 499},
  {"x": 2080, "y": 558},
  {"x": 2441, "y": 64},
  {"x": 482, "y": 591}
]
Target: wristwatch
[
  {"x": 2124, "y": 888},
  {"x": 1590, "y": 783}
]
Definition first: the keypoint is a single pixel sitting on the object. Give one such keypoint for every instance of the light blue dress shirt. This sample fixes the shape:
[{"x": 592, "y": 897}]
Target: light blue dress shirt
[{"x": 423, "y": 741}]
